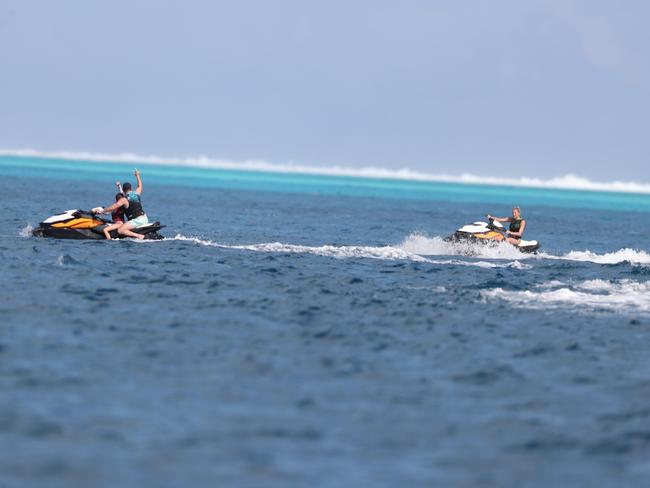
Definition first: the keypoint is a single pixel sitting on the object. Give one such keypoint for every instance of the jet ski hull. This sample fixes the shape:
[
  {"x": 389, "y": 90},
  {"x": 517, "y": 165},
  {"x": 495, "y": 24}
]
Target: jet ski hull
[
  {"x": 490, "y": 239},
  {"x": 77, "y": 224}
]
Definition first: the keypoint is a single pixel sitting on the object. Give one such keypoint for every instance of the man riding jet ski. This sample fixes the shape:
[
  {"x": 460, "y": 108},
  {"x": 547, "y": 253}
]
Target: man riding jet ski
[
  {"x": 79, "y": 224},
  {"x": 131, "y": 204},
  {"x": 493, "y": 231}
]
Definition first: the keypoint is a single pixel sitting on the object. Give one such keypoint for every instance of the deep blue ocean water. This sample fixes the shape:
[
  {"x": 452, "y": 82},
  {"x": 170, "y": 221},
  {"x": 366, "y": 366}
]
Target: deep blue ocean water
[{"x": 299, "y": 330}]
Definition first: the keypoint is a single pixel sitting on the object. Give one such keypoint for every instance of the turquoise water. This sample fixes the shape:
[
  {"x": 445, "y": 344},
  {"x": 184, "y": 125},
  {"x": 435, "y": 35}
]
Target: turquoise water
[{"x": 326, "y": 185}]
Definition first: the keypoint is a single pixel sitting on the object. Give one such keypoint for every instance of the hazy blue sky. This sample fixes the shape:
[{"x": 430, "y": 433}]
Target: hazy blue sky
[{"x": 505, "y": 88}]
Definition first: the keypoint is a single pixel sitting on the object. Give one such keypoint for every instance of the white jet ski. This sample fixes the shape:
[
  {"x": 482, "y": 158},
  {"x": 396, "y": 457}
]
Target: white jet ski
[{"x": 487, "y": 233}]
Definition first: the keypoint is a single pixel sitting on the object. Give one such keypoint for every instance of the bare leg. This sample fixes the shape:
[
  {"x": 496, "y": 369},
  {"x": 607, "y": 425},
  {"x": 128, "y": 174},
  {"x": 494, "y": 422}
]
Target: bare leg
[
  {"x": 511, "y": 240},
  {"x": 125, "y": 230},
  {"x": 109, "y": 228}
]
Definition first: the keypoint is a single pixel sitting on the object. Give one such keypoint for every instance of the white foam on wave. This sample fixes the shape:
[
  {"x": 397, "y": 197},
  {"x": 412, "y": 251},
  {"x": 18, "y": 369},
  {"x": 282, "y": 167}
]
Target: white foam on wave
[
  {"x": 586, "y": 296},
  {"x": 436, "y": 246},
  {"x": 634, "y": 256},
  {"x": 393, "y": 253},
  {"x": 565, "y": 182},
  {"x": 26, "y": 231}
]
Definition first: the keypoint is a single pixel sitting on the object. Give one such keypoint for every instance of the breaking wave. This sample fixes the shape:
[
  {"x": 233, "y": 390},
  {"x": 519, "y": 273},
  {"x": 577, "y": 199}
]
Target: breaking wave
[
  {"x": 565, "y": 182},
  {"x": 587, "y": 296}
]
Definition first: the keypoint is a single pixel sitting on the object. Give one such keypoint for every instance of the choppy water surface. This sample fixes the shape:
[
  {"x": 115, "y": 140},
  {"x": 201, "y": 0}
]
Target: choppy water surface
[{"x": 306, "y": 339}]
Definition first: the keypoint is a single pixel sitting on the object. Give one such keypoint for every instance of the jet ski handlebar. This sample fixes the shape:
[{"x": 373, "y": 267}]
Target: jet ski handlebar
[{"x": 496, "y": 227}]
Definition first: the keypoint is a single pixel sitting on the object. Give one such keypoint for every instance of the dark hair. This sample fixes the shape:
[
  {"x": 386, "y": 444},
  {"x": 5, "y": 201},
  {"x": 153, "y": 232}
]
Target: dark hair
[
  {"x": 126, "y": 187},
  {"x": 118, "y": 196}
]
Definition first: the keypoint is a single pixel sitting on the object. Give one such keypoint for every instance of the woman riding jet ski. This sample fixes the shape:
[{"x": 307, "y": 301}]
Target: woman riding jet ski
[
  {"x": 517, "y": 225},
  {"x": 493, "y": 231}
]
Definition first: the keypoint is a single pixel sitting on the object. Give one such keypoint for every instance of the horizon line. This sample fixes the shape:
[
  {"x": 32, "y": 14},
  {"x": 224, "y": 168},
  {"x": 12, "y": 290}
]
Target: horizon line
[{"x": 568, "y": 181}]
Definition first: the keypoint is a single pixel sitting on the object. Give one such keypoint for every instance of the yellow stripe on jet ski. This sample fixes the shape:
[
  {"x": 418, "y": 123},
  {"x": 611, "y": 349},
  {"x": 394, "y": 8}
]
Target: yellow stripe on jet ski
[
  {"x": 492, "y": 236},
  {"x": 83, "y": 223}
]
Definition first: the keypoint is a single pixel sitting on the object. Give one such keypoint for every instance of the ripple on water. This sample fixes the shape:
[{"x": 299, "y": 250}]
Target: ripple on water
[
  {"x": 489, "y": 375},
  {"x": 67, "y": 260}
]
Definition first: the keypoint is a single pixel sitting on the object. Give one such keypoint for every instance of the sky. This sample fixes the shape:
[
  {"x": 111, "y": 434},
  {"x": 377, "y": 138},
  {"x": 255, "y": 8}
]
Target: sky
[{"x": 495, "y": 88}]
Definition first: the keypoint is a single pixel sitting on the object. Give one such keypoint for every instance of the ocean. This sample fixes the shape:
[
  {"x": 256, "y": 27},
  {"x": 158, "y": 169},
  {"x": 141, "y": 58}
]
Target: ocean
[{"x": 298, "y": 329}]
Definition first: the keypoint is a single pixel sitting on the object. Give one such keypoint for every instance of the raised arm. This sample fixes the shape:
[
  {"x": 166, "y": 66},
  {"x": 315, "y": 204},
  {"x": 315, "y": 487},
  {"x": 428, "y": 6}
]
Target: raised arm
[{"x": 138, "y": 189}]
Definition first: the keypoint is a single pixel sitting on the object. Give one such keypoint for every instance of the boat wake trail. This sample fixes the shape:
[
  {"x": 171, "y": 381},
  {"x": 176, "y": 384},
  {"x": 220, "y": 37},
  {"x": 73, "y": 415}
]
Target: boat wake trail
[
  {"x": 436, "y": 246},
  {"x": 346, "y": 252},
  {"x": 26, "y": 231},
  {"x": 420, "y": 248}
]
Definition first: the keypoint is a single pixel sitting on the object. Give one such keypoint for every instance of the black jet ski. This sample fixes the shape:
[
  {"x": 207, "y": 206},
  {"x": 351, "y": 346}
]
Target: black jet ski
[
  {"x": 487, "y": 233},
  {"x": 79, "y": 224}
]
